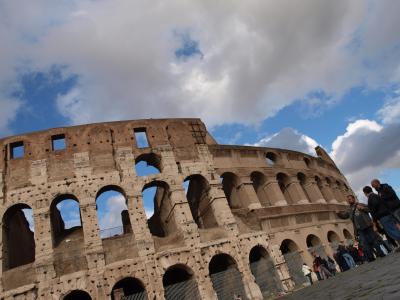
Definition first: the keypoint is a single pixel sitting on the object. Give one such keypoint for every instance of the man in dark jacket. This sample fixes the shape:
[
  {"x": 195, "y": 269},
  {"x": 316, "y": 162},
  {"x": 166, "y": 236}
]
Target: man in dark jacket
[
  {"x": 380, "y": 211},
  {"x": 388, "y": 196},
  {"x": 363, "y": 227}
]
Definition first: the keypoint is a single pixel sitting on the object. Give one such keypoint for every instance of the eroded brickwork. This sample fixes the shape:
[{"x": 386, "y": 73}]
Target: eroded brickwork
[{"x": 239, "y": 198}]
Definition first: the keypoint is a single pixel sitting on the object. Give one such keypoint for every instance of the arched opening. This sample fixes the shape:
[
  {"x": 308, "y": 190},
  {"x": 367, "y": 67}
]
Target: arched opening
[
  {"x": 18, "y": 237},
  {"x": 179, "y": 283},
  {"x": 315, "y": 246},
  {"x": 307, "y": 161},
  {"x": 157, "y": 204},
  {"x": 258, "y": 179},
  {"x": 283, "y": 181},
  {"x": 264, "y": 272},
  {"x": 199, "y": 199},
  {"x": 225, "y": 277},
  {"x": 347, "y": 235},
  {"x": 270, "y": 158},
  {"x": 65, "y": 218},
  {"x": 294, "y": 261},
  {"x": 129, "y": 288},
  {"x": 77, "y": 295},
  {"x": 67, "y": 234},
  {"x": 147, "y": 164},
  {"x": 333, "y": 239},
  {"x": 231, "y": 187},
  {"x": 112, "y": 212}
]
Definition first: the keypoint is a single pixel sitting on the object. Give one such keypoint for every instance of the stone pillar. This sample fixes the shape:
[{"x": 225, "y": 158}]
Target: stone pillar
[
  {"x": 281, "y": 268},
  {"x": 313, "y": 192},
  {"x": 272, "y": 189},
  {"x": 91, "y": 233},
  {"x": 296, "y": 192},
  {"x": 43, "y": 246},
  {"x": 338, "y": 193},
  {"x": 247, "y": 194},
  {"x": 328, "y": 193}
]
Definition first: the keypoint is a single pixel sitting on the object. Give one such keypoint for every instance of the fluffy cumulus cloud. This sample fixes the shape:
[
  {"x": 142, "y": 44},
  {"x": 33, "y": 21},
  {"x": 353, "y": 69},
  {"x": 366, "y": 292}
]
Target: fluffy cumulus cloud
[
  {"x": 289, "y": 138},
  {"x": 198, "y": 58}
]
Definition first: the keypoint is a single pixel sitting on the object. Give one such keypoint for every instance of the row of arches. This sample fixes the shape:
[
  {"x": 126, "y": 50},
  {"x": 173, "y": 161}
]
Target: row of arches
[{"x": 179, "y": 280}]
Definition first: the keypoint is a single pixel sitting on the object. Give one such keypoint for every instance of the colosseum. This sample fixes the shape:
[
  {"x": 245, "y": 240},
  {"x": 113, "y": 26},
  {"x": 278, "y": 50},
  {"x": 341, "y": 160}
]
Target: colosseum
[{"x": 228, "y": 220}]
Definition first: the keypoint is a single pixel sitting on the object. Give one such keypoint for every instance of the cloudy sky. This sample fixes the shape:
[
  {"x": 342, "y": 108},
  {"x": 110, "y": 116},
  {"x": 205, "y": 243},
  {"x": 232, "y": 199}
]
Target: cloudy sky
[{"x": 275, "y": 73}]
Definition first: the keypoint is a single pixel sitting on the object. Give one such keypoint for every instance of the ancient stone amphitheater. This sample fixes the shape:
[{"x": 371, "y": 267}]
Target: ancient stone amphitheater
[{"x": 228, "y": 220}]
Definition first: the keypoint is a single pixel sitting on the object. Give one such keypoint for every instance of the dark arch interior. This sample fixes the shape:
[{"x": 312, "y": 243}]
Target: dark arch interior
[
  {"x": 198, "y": 197},
  {"x": 18, "y": 238},
  {"x": 347, "y": 234},
  {"x": 257, "y": 253},
  {"x": 333, "y": 237},
  {"x": 288, "y": 246},
  {"x": 127, "y": 287},
  {"x": 147, "y": 164},
  {"x": 270, "y": 158},
  {"x": 229, "y": 185},
  {"x": 312, "y": 241},
  {"x": 220, "y": 263},
  {"x": 175, "y": 275},
  {"x": 77, "y": 295}
]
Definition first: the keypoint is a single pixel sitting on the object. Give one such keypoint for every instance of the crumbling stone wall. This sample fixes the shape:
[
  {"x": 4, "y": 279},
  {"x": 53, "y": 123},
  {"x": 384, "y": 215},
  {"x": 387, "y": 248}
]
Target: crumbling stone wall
[{"x": 274, "y": 195}]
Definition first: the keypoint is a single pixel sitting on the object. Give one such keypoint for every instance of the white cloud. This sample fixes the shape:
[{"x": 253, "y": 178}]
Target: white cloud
[
  {"x": 110, "y": 221},
  {"x": 390, "y": 112},
  {"x": 289, "y": 138},
  {"x": 258, "y": 56}
]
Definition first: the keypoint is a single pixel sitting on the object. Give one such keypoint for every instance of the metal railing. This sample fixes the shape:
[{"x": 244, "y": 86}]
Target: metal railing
[
  {"x": 266, "y": 277},
  {"x": 228, "y": 284},
  {"x": 182, "y": 290}
]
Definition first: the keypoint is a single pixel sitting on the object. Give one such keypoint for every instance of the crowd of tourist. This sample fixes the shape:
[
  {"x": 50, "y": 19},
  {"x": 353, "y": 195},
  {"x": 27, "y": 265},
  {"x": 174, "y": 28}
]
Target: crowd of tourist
[{"x": 376, "y": 230}]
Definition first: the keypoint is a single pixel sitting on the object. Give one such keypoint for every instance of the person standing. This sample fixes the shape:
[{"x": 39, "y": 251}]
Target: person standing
[
  {"x": 388, "y": 196},
  {"x": 307, "y": 272},
  {"x": 363, "y": 227},
  {"x": 380, "y": 211}
]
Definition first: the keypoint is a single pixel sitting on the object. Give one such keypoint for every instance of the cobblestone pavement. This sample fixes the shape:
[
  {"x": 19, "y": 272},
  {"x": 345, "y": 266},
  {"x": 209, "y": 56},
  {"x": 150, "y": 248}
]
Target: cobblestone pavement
[{"x": 377, "y": 280}]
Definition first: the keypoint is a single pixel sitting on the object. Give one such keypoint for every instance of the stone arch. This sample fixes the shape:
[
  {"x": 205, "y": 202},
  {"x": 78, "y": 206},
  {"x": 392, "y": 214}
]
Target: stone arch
[
  {"x": 18, "y": 237},
  {"x": 231, "y": 186},
  {"x": 179, "y": 283},
  {"x": 148, "y": 164},
  {"x": 294, "y": 260},
  {"x": 112, "y": 199},
  {"x": 129, "y": 288},
  {"x": 263, "y": 270},
  {"x": 333, "y": 239},
  {"x": 199, "y": 199},
  {"x": 347, "y": 235},
  {"x": 304, "y": 180},
  {"x": 77, "y": 295},
  {"x": 315, "y": 246},
  {"x": 284, "y": 181},
  {"x": 157, "y": 193},
  {"x": 226, "y": 277},
  {"x": 258, "y": 180},
  {"x": 59, "y": 229}
]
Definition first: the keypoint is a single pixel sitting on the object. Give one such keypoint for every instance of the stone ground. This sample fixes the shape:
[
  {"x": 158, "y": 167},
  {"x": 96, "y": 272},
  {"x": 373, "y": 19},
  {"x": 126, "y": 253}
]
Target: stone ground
[{"x": 376, "y": 280}]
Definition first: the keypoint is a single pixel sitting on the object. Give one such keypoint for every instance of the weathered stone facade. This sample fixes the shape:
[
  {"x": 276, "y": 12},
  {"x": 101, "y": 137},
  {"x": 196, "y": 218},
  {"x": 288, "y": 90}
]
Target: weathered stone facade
[{"x": 243, "y": 204}]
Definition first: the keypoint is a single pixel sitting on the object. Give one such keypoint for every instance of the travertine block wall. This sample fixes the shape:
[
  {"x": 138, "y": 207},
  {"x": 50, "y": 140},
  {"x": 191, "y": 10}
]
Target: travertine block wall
[{"x": 102, "y": 155}]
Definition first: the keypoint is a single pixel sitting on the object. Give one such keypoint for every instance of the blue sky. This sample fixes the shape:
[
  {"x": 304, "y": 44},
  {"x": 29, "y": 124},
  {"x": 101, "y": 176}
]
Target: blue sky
[{"x": 261, "y": 73}]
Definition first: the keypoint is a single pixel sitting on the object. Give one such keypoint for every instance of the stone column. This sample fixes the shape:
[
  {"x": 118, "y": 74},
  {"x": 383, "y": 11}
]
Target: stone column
[
  {"x": 275, "y": 195},
  {"x": 328, "y": 193},
  {"x": 91, "y": 233},
  {"x": 281, "y": 268},
  {"x": 338, "y": 193},
  {"x": 296, "y": 192},
  {"x": 247, "y": 194},
  {"x": 313, "y": 192}
]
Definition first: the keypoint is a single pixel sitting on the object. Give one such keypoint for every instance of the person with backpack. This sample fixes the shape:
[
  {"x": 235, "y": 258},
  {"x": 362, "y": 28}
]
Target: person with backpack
[
  {"x": 363, "y": 227},
  {"x": 388, "y": 196}
]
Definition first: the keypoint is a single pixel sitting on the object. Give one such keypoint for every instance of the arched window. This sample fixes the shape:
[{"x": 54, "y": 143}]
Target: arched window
[
  {"x": 65, "y": 217},
  {"x": 225, "y": 277},
  {"x": 294, "y": 261},
  {"x": 179, "y": 283},
  {"x": 199, "y": 199},
  {"x": 230, "y": 185},
  {"x": 270, "y": 158},
  {"x": 18, "y": 237},
  {"x": 333, "y": 239},
  {"x": 264, "y": 272},
  {"x": 147, "y": 164},
  {"x": 347, "y": 235},
  {"x": 112, "y": 212},
  {"x": 129, "y": 288},
  {"x": 315, "y": 246},
  {"x": 156, "y": 200},
  {"x": 77, "y": 295},
  {"x": 258, "y": 179}
]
